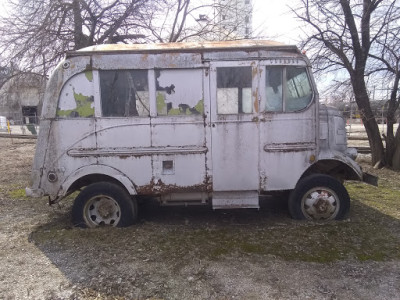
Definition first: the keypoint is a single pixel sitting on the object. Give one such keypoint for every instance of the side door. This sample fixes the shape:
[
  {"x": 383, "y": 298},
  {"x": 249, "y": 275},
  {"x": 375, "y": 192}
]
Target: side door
[
  {"x": 287, "y": 123},
  {"x": 234, "y": 126}
]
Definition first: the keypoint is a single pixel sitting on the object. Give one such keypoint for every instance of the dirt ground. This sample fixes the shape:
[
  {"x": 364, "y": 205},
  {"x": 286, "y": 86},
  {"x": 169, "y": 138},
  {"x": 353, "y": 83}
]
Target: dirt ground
[{"x": 194, "y": 252}]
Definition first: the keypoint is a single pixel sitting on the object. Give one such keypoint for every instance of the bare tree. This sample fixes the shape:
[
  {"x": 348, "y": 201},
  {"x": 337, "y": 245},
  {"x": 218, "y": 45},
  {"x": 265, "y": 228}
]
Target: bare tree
[
  {"x": 36, "y": 33},
  {"x": 353, "y": 37},
  {"x": 187, "y": 20}
]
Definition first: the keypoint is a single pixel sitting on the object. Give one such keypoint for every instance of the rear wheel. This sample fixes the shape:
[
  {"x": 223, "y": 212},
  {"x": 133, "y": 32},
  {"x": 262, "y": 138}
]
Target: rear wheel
[
  {"x": 319, "y": 197},
  {"x": 104, "y": 204}
]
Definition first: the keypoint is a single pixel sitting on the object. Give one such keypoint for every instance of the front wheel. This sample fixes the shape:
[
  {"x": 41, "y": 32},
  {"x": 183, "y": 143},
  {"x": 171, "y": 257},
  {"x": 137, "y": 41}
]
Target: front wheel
[
  {"x": 104, "y": 204},
  {"x": 319, "y": 197}
]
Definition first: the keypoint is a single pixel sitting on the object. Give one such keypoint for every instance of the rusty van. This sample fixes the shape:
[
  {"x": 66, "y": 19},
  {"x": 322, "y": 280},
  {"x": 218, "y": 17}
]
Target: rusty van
[{"x": 213, "y": 123}]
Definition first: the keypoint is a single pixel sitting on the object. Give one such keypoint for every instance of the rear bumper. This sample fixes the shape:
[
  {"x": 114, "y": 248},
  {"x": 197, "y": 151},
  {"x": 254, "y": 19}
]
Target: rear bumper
[{"x": 35, "y": 193}]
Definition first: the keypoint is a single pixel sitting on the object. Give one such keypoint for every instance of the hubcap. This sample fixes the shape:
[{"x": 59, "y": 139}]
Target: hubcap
[
  {"x": 102, "y": 210},
  {"x": 320, "y": 203}
]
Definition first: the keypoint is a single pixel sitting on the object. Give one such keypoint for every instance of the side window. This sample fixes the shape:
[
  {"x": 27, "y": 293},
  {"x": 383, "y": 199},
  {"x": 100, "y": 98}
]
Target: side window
[
  {"x": 299, "y": 92},
  {"x": 289, "y": 95},
  {"x": 179, "y": 92},
  {"x": 234, "y": 90},
  {"x": 273, "y": 88},
  {"x": 124, "y": 93},
  {"x": 76, "y": 97}
]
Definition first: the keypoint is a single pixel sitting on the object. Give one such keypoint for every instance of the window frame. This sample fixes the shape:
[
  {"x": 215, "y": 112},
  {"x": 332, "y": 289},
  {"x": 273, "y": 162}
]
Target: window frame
[
  {"x": 100, "y": 101},
  {"x": 154, "y": 86},
  {"x": 284, "y": 63},
  {"x": 254, "y": 85}
]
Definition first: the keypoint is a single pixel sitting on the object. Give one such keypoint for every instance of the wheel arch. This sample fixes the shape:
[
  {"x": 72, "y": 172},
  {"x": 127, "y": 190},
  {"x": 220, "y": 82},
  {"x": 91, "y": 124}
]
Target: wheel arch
[
  {"x": 335, "y": 168},
  {"x": 95, "y": 173}
]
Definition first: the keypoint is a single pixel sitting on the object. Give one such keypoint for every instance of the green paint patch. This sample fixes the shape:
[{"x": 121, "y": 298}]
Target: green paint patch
[
  {"x": 83, "y": 108},
  {"x": 161, "y": 104},
  {"x": 89, "y": 75},
  {"x": 200, "y": 106},
  {"x": 182, "y": 109},
  {"x": 174, "y": 111}
]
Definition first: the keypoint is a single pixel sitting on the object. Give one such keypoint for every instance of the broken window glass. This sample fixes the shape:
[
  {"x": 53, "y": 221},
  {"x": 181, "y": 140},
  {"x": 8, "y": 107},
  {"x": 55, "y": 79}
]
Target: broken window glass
[
  {"x": 124, "y": 93},
  {"x": 297, "y": 87},
  {"x": 179, "y": 92},
  {"x": 76, "y": 97},
  {"x": 299, "y": 93},
  {"x": 234, "y": 90}
]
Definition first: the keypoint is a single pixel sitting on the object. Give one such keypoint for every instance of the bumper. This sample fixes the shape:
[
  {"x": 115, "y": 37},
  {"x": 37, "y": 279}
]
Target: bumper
[
  {"x": 370, "y": 179},
  {"x": 35, "y": 193}
]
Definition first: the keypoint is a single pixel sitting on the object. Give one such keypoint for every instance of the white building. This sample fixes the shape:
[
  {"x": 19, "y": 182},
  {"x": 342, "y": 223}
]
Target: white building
[
  {"x": 20, "y": 99},
  {"x": 235, "y": 17}
]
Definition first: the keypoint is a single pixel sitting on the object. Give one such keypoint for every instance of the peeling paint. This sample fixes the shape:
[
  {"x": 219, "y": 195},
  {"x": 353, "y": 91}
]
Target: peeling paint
[
  {"x": 255, "y": 97},
  {"x": 176, "y": 91},
  {"x": 158, "y": 187},
  {"x": 76, "y": 97},
  {"x": 84, "y": 107},
  {"x": 89, "y": 75},
  {"x": 254, "y": 72}
]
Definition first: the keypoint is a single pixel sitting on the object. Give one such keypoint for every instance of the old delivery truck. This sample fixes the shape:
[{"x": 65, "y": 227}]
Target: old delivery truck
[{"x": 216, "y": 123}]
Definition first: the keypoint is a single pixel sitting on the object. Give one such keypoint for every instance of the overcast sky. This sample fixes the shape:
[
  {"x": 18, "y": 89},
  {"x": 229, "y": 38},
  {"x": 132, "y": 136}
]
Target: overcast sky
[{"x": 272, "y": 19}]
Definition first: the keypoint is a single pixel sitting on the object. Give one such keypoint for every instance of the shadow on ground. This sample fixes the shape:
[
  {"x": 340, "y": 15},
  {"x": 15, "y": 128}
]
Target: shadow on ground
[{"x": 171, "y": 246}]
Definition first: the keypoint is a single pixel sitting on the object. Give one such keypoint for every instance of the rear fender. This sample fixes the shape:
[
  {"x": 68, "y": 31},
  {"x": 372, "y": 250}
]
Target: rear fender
[{"x": 96, "y": 169}]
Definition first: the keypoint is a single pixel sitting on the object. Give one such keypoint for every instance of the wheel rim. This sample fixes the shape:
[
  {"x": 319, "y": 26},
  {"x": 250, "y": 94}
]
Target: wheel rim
[
  {"x": 320, "y": 203},
  {"x": 102, "y": 210}
]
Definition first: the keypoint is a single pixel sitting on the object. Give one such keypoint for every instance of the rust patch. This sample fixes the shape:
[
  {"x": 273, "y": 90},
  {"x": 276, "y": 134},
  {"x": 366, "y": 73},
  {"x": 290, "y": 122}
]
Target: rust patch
[
  {"x": 255, "y": 119},
  {"x": 159, "y": 188},
  {"x": 144, "y": 57},
  {"x": 289, "y": 147},
  {"x": 254, "y": 72},
  {"x": 255, "y": 95}
]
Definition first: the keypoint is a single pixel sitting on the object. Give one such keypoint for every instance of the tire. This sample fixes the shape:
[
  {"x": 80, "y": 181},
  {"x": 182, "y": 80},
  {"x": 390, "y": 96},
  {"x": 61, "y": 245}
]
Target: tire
[
  {"x": 319, "y": 197},
  {"x": 104, "y": 204}
]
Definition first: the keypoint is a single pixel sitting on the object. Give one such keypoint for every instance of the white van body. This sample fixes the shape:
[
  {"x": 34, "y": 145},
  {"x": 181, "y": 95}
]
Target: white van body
[{"x": 190, "y": 123}]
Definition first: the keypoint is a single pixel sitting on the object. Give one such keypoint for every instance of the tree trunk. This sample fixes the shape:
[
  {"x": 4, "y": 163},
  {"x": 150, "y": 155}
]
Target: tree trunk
[
  {"x": 396, "y": 151},
  {"x": 375, "y": 140},
  {"x": 368, "y": 118},
  {"x": 79, "y": 38},
  {"x": 393, "y": 141}
]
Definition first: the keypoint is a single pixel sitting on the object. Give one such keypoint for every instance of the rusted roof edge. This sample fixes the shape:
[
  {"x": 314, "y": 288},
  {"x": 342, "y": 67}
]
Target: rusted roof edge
[{"x": 184, "y": 48}]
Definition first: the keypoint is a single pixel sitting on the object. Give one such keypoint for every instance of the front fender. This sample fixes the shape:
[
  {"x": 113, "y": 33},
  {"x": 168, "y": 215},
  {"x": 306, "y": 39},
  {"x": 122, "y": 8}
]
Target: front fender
[
  {"x": 342, "y": 157},
  {"x": 349, "y": 162}
]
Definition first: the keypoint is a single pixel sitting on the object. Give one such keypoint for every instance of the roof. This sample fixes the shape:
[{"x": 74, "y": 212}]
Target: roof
[{"x": 186, "y": 47}]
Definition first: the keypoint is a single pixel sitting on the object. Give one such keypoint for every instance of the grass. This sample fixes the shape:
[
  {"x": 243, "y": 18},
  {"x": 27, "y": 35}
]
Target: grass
[
  {"x": 371, "y": 233},
  {"x": 17, "y": 194}
]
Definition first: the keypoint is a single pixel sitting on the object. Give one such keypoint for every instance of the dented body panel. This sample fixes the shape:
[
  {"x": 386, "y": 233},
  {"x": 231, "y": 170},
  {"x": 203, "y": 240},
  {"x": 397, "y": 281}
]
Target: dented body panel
[{"x": 225, "y": 121}]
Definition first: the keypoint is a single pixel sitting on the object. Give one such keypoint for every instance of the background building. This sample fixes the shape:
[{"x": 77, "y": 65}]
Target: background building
[
  {"x": 235, "y": 17},
  {"x": 21, "y": 98}
]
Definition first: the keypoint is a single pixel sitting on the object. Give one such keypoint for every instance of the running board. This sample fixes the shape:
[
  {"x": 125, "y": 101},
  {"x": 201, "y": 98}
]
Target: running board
[{"x": 235, "y": 199}]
